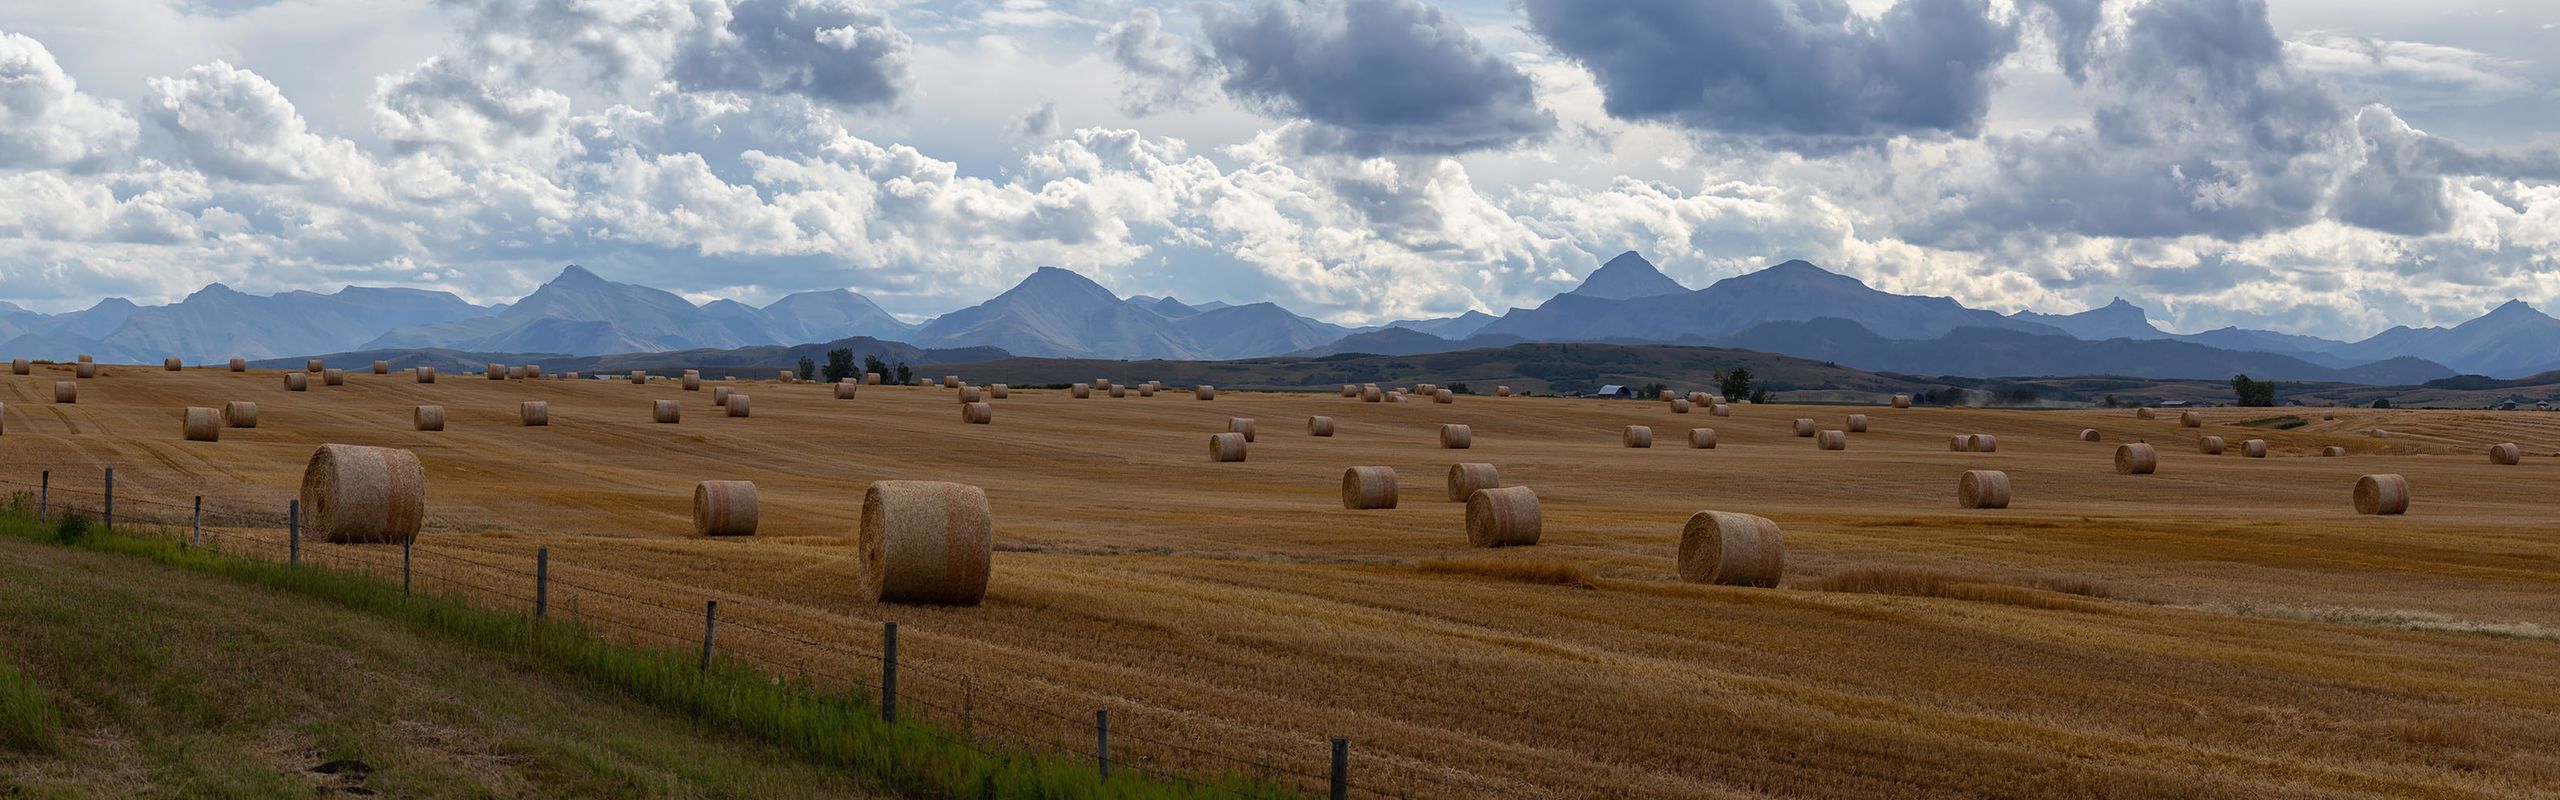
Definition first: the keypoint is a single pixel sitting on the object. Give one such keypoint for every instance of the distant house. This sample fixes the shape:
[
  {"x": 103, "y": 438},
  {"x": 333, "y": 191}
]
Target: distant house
[{"x": 1615, "y": 390}]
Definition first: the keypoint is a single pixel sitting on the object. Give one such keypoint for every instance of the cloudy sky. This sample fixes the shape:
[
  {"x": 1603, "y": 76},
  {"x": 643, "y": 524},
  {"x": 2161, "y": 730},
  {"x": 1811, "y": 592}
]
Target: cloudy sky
[{"x": 2323, "y": 166}]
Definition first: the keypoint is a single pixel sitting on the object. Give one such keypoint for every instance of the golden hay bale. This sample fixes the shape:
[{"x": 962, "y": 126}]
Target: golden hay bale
[
  {"x": 85, "y": 358},
  {"x": 1702, "y": 438},
  {"x": 1902, "y": 401},
  {"x": 2210, "y": 445},
  {"x": 1372, "y": 395},
  {"x": 2333, "y": 451},
  {"x": 2136, "y": 458},
  {"x": 1465, "y": 479},
  {"x": 496, "y": 372},
  {"x": 1147, "y": 389},
  {"x": 2382, "y": 494},
  {"x": 666, "y": 412},
  {"x": 1395, "y": 397},
  {"x": 1720, "y": 410},
  {"x": 363, "y": 495},
  {"x": 724, "y": 508},
  {"x": 691, "y": 383},
  {"x": 1857, "y": 423},
  {"x": 950, "y": 381},
  {"x": 536, "y": 413},
  {"x": 1679, "y": 406},
  {"x": 1636, "y": 436},
  {"x": 172, "y": 365},
  {"x": 1119, "y": 391},
  {"x": 846, "y": 390},
  {"x": 203, "y": 424},
  {"x": 972, "y": 394},
  {"x": 297, "y": 381},
  {"x": 85, "y": 369},
  {"x": 2328, "y": 416},
  {"x": 977, "y": 413},
  {"x": 1366, "y": 488},
  {"x": 428, "y": 418},
  {"x": 1504, "y": 517},
  {"x": 1102, "y": 383},
  {"x": 640, "y": 377},
  {"x": 1319, "y": 426},
  {"x": 1243, "y": 425},
  {"x": 1457, "y": 437},
  {"x": 925, "y": 542},
  {"x": 1350, "y": 390},
  {"x": 333, "y": 377},
  {"x": 720, "y": 395},
  {"x": 786, "y": 376},
  {"x": 2253, "y": 448},
  {"x": 1959, "y": 444},
  {"x": 1982, "y": 488},
  {"x": 20, "y": 366},
  {"x": 870, "y": 379},
  {"x": 1226, "y": 447},
  {"x": 1664, "y": 396},
  {"x": 1730, "y": 549},
  {"x": 1443, "y": 396},
  {"x": 1502, "y": 391},
  {"x": 2190, "y": 420},
  {"x": 1204, "y": 392},
  {"x": 1804, "y": 428},
  {"x": 739, "y": 404},
  {"x": 2088, "y": 434},
  {"x": 1699, "y": 399},
  {"x": 426, "y": 374},
  {"x": 535, "y": 371},
  {"x": 2144, "y": 413},
  {"x": 2505, "y": 455},
  {"x": 1080, "y": 391},
  {"x": 240, "y": 414},
  {"x": 313, "y": 365},
  {"x": 382, "y": 368},
  {"x": 1831, "y": 440},
  {"x": 995, "y": 391},
  {"x": 239, "y": 365},
  {"x": 1982, "y": 443},
  {"x": 1425, "y": 388}
]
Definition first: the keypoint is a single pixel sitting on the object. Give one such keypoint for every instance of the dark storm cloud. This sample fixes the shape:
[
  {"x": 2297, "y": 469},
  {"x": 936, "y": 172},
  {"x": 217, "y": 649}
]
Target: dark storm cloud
[
  {"x": 1374, "y": 75},
  {"x": 830, "y": 51},
  {"x": 1786, "y": 68}
]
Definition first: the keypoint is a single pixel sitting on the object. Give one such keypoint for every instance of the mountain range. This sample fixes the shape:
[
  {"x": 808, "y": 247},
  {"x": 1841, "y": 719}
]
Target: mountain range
[{"x": 1793, "y": 307}]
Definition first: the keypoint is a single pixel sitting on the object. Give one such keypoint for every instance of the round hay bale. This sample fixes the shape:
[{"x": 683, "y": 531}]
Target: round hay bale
[
  {"x": 85, "y": 370},
  {"x": 724, "y": 508},
  {"x": 1080, "y": 391},
  {"x": 1720, "y": 410},
  {"x": 1226, "y": 447},
  {"x": 1857, "y": 423},
  {"x": 240, "y": 414},
  {"x": 1902, "y": 401},
  {"x": 382, "y": 368},
  {"x": 1119, "y": 391},
  {"x": 2328, "y": 416},
  {"x": 1204, "y": 392},
  {"x": 972, "y": 394},
  {"x": 2136, "y": 458},
  {"x": 1730, "y": 549},
  {"x": 2144, "y": 413},
  {"x": 1959, "y": 444},
  {"x": 1365, "y": 488},
  {"x": 786, "y": 376},
  {"x": 1804, "y": 428},
  {"x": 2088, "y": 434},
  {"x": 2505, "y": 455},
  {"x": 496, "y": 372},
  {"x": 536, "y": 413},
  {"x": 1147, "y": 389},
  {"x": 978, "y": 413},
  {"x": 1319, "y": 426},
  {"x": 1831, "y": 440},
  {"x": 20, "y": 366},
  {"x": 1457, "y": 437},
  {"x": 995, "y": 391},
  {"x": 950, "y": 381},
  {"x": 1664, "y": 396},
  {"x": 203, "y": 424},
  {"x": 1243, "y": 425},
  {"x": 1502, "y": 391},
  {"x": 2190, "y": 419},
  {"x": 1636, "y": 436},
  {"x": 2253, "y": 448},
  {"x": 1504, "y": 517},
  {"x": 720, "y": 395},
  {"x": 426, "y": 374},
  {"x": 1982, "y": 488},
  {"x": 533, "y": 371},
  {"x": 1679, "y": 406},
  {"x": 239, "y": 365},
  {"x": 1350, "y": 390},
  {"x": 2210, "y": 445},
  {"x": 1443, "y": 396},
  {"x": 639, "y": 377},
  {"x": 2382, "y": 494},
  {"x": 739, "y": 404},
  {"x": 925, "y": 542},
  {"x": 313, "y": 365},
  {"x": 1465, "y": 479},
  {"x": 845, "y": 390},
  {"x": 333, "y": 376},
  {"x": 363, "y": 495},
  {"x": 1982, "y": 443},
  {"x": 428, "y": 418},
  {"x": 666, "y": 412},
  {"x": 1102, "y": 384},
  {"x": 1699, "y": 399},
  {"x": 297, "y": 381},
  {"x": 1372, "y": 395},
  {"x": 2333, "y": 451},
  {"x": 172, "y": 365},
  {"x": 870, "y": 379},
  {"x": 1702, "y": 438}
]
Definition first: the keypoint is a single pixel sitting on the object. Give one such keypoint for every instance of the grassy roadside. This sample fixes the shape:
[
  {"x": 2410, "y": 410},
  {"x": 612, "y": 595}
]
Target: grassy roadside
[{"x": 158, "y": 679}]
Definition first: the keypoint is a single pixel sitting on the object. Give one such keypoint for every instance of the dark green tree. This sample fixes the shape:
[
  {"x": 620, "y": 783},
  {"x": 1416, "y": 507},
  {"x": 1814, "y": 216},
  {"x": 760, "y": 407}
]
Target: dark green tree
[
  {"x": 839, "y": 365},
  {"x": 905, "y": 376},
  {"x": 1650, "y": 391},
  {"x": 874, "y": 364},
  {"x": 2253, "y": 393},
  {"x": 808, "y": 369},
  {"x": 1735, "y": 384}
]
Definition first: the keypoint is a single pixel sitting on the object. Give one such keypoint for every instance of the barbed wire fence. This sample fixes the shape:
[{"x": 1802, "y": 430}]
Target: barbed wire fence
[{"x": 980, "y": 711}]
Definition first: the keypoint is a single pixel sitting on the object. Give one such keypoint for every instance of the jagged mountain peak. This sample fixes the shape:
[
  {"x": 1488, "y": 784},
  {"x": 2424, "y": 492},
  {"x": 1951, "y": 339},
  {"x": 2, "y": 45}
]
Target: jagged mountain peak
[{"x": 1626, "y": 277}]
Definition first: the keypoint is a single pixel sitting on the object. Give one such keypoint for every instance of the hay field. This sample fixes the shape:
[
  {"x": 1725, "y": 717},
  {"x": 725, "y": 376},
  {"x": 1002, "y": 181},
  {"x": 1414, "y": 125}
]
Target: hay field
[{"x": 2226, "y": 627}]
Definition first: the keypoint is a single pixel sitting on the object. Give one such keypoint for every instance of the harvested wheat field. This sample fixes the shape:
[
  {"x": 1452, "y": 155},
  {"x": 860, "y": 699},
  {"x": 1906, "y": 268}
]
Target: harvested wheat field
[{"x": 2225, "y": 627}]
